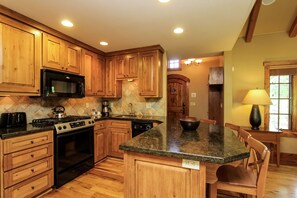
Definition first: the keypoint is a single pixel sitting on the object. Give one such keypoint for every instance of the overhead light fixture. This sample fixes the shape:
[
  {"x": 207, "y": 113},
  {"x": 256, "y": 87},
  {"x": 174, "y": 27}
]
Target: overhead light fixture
[
  {"x": 178, "y": 30},
  {"x": 268, "y": 2},
  {"x": 192, "y": 61},
  {"x": 104, "y": 43},
  {"x": 164, "y": 1},
  {"x": 67, "y": 23}
]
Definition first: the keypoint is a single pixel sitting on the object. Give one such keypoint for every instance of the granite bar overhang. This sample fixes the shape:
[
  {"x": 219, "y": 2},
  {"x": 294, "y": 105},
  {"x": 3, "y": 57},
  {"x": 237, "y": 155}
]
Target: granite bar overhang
[{"x": 210, "y": 143}]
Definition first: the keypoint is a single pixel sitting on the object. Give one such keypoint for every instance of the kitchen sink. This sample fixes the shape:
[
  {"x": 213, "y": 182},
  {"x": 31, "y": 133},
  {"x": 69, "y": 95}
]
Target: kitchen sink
[{"x": 126, "y": 116}]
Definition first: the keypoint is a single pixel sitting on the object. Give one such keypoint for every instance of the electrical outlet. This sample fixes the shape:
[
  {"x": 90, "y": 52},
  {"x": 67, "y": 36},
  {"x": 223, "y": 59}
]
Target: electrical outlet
[
  {"x": 193, "y": 95},
  {"x": 192, "y": 103},
  {"x": 191, "y": 164}
]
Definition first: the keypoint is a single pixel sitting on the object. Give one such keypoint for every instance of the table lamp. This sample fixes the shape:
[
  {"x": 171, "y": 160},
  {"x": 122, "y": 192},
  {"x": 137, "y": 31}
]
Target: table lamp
[{"x": 256, "y": 97}]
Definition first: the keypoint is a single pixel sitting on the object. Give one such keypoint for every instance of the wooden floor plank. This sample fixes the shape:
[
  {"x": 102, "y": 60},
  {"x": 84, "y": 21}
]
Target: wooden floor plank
[{"x": 99, "y": 182}]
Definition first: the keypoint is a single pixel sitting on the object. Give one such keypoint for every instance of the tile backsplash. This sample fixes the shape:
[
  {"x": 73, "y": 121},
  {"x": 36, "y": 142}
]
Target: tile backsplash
[{"x": 37, "y": 107}]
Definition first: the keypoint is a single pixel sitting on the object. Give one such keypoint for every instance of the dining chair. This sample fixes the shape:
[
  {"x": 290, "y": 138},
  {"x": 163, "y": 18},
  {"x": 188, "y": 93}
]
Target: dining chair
[
  {"x": 248, "y": 180},
  {"x": 233, "y": 127},
  {"x": 208, "y": 121}
]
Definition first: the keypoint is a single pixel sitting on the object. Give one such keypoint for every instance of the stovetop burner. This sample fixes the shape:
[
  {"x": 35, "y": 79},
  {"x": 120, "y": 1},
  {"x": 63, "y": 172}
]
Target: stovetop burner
[{"x": 45, "y": 122}]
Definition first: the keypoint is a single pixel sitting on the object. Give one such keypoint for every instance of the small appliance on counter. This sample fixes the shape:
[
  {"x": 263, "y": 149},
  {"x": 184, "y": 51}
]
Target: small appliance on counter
[
  {"x": 13, "y": 119},
  {"x": 105, "y": 109}
]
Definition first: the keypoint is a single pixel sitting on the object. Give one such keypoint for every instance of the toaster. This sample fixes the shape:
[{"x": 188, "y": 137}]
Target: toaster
[{"x": 13, "y": 119}]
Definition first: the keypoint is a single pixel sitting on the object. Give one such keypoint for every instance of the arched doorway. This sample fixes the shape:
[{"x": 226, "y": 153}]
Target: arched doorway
[{"x": 177, "y": 96}]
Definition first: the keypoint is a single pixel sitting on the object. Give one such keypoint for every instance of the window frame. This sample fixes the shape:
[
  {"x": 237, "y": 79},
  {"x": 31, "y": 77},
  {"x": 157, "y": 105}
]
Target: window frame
[{"x": 269, "y": 65}]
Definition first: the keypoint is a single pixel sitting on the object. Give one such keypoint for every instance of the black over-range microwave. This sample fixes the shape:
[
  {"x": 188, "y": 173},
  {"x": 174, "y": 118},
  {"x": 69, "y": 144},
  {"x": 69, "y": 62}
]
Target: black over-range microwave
[{"x": 59, "y": 84}]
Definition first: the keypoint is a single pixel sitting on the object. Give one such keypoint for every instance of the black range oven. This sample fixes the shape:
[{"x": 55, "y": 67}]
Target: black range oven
[{"x": 73, "y": 149}]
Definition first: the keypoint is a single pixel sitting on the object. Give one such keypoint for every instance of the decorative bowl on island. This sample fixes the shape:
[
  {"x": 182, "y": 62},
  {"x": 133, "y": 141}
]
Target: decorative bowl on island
[{"x": 189, "y": 123}]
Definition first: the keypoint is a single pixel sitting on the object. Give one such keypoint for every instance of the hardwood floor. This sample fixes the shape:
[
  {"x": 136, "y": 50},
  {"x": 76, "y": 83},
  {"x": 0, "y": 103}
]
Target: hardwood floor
[{"x": 106, "y": 181}]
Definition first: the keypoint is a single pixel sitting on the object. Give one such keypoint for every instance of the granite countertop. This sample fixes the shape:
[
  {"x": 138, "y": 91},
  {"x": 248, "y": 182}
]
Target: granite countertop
[
  {"x": 19, "y": 131},
  {"x": 210, "y": 143}
]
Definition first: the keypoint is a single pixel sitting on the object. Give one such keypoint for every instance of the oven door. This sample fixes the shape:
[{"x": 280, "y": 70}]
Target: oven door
[{"x": 74, "y": 154}]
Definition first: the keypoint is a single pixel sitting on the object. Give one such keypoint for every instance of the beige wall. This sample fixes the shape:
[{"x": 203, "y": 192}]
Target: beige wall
[
  {"x": 243, "y": 68},
  {"x": 198, "y": 76}
]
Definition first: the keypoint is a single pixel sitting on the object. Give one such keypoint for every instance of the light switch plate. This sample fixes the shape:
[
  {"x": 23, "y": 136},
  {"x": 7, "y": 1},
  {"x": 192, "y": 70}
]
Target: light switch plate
[
  {"x": 193, "y": 95},
  {"x": 192, "y": 103},
  {"x": 191, "y": 164}
]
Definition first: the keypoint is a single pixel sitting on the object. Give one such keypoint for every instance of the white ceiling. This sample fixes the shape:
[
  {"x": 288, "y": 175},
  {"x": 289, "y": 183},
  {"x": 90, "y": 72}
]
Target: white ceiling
[{"x": 210, "y": 26}]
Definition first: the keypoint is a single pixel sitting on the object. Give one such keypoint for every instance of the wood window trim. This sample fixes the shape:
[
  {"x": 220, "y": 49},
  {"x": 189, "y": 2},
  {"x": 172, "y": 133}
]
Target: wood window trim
[{"x": 268, "y": 65}]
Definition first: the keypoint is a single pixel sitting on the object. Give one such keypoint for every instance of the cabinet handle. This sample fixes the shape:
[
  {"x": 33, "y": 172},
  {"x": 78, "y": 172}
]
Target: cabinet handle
[
  {"x": 32, "y": 155},
  {"x": 32, "y": 142},
  {"x": 32, "y": 170},
  {"x": 37, "y": 90},
  {"x": 66, "y": 68},
  {"x": 62, "y": 67},
  {"x": 32, "y": 187}
]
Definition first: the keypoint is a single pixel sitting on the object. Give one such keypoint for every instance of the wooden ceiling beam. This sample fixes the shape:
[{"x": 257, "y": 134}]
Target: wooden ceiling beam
[
  {"x": 252, "y": 21},
  {"x": 293, "y": 30}
]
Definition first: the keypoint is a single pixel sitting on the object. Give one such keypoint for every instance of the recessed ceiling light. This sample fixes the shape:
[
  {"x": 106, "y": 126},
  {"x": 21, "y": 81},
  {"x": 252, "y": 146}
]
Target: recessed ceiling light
[
  {"x": 178, "y": 30},
  {"x": 164, "y": 1},
  {"x": 268, "y": 2},
  {"x": 103, "y": 43},
  {"x": 67, "y": 23}
]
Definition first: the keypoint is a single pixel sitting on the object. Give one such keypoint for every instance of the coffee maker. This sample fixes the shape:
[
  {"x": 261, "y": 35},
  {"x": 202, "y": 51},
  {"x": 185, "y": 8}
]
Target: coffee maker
[{"x": 105, "y": 108}]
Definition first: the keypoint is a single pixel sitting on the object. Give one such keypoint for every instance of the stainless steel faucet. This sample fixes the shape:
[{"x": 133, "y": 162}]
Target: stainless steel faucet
[{"x": 131, "y": 109}]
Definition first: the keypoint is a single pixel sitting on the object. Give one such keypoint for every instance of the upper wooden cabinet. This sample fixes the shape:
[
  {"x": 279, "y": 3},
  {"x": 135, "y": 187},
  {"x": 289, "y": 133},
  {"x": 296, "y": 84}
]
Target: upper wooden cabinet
[
  {"x": 113, "y": 88},
  {"x": 20, "y": 58},
  {"x": 150, "y": 74},
  {"x": 216, "y": 76},
  {"x": 127, "y": 66},
  {"x": 61, "y": 55},
  {"x": 93, "y": 69}
]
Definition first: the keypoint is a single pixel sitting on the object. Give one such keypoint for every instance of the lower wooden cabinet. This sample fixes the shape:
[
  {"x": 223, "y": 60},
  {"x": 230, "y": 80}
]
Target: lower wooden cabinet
[
  {"x": 27, "y": 163},
  {"x": 119, "y": 132},
  {"x": 100, "y": 141}
]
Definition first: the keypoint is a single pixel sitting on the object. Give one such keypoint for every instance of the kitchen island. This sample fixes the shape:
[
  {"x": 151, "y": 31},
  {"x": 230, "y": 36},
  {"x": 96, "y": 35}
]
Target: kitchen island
[{"x": 169, "y": 162}]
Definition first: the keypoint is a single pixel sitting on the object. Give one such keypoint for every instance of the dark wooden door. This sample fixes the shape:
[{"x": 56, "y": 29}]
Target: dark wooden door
[{"x": 177, "y": 96}]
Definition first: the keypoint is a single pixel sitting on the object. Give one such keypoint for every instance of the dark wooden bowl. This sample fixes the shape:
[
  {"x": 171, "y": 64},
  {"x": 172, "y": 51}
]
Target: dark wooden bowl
[{"x": 189, "y": 123}]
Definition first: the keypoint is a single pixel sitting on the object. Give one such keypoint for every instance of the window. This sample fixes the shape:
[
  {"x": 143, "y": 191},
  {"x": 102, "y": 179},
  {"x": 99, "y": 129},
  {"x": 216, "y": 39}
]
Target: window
[
  {"x": 280, "y": 112},
  {"x": 174, "y": 65},
  {"x": 281, "y": 84}
]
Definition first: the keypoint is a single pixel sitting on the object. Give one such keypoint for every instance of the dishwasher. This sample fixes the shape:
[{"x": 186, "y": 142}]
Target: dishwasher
[{"x": 140, "y": 126}]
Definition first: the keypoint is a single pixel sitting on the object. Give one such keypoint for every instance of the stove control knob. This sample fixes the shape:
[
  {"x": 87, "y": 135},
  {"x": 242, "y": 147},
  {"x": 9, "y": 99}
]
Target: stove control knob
[
  {"x": 59, "y": 128},
  {"x": 64, "y": 127},
  {"x": 148, "y": 127},
  {"x": 89, "y": 122},
  {"x": 93, "y": 121}
]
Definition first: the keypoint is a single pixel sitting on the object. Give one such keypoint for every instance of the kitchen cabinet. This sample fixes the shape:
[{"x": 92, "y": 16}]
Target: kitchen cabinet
[
  {"x": 20, "y": 57},
  {"x": 113, "y": 88},
  {"x": 127, "y": 66},
  {"x": 93, "y": 69},
  {"x": 60, "y": 55},
  {"x": 100, "y": 141},
  {"x": 216, "y": 76},
  {"x": 150, "y": 74},
  {"x": 27, "y": 163},
  {"x": 119, "y": 132}
]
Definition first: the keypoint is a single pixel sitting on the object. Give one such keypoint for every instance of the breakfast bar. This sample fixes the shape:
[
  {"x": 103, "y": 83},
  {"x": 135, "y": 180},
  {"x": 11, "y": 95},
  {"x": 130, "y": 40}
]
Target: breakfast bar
[{"x": 169, "y": 162}]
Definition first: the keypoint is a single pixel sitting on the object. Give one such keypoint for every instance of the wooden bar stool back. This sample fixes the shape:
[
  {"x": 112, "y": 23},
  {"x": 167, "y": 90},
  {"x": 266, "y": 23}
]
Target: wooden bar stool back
[
  {"x": 233, "y": 127},
  {"x": 250, "y": 180},
  {"x": 208, "y": 121}
]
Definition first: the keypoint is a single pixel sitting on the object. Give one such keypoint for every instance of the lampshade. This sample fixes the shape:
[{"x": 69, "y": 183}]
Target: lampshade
[{"x": 258, "y": 97}]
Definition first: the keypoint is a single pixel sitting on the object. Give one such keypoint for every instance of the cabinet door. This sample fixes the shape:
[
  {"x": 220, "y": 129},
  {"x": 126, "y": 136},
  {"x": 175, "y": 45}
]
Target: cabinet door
[
  {"x": 73, "y": 61},
  {"x": 117, "y": 137},
  {"x": 94, "y": 72},
  {"x": 113, "y": 87},
  {"x": 150, "y": 74},
  {"x": 53, "y": 52},
  {"x": 131, "y": 65},
  {"x": 100, "y": 151},
  {"x": 20, "y": 58},
  {"x": 120, "y": 67}
]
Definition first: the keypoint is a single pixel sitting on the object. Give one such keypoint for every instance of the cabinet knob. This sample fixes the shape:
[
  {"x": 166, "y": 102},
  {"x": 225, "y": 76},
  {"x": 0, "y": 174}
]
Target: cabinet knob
[
  {"x": 32, "y": 142},
  {"x": 32, "y": 187},
  {"x": 66, "y": 68},
  {"x": 32, "y": 170},
  {"x": 32, "y": 155}
]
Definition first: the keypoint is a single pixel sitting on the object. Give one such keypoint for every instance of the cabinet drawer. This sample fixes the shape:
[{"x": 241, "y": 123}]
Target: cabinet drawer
[
  {"x": 120, "y": 124},
  {"x": 99, "y": 125},
  {"x": 20, "y": 158},
  {"x": 265, "y": 137},
  {"x": 31, "y": 187},
  {"x": 25, "y": 172},
  {"x": 27, "y": 141}
]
